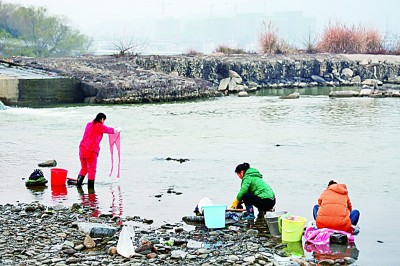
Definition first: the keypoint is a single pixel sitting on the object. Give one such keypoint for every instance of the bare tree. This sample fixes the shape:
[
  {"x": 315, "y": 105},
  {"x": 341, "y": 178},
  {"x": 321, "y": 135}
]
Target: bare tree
[
  {"x": 310, "y": 43},
  {"x": 128, "y": 45}
]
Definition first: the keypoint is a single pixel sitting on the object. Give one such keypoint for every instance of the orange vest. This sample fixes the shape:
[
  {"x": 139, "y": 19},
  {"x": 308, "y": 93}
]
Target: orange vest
[{"x": 334, "y": 208}]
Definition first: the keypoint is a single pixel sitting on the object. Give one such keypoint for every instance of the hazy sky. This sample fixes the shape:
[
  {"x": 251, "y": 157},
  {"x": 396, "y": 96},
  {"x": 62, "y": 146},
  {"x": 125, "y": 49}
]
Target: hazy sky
[
  {"x": 104, "y": 21},
  {"x": 85, "y": 14}
]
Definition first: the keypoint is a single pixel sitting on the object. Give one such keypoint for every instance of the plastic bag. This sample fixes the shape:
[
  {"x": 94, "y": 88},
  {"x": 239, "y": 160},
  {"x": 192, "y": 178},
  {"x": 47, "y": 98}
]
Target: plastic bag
[
  {"x": 204, "y": 202},
  {"x": 125, "y": 246},
  {"x": 131, "y": 229}
]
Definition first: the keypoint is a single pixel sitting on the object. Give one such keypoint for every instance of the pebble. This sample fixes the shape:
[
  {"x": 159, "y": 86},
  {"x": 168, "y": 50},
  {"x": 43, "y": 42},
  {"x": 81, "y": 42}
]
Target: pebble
[{"x": 56, "y": 240}]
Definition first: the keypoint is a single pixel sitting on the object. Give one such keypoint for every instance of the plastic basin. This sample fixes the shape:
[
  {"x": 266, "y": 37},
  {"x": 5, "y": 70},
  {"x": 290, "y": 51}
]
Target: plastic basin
[{"x": 58, "y": 176}]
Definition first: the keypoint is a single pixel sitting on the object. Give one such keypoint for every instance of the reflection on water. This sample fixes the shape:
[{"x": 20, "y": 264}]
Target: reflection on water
[
  {"x": 59, "y": 193},
  {"x": 116, "y": 201},
  {"x": 37, "y": 191},
  {"x": 90, "y": 200},
  {"x": 332, "y": 251},
  {"x": 313, "y": 91},
  {"x": 294, "y": 248}
]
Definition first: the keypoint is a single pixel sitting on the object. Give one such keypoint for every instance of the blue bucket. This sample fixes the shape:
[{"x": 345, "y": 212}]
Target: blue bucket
[{"x": 214, "y": 216}]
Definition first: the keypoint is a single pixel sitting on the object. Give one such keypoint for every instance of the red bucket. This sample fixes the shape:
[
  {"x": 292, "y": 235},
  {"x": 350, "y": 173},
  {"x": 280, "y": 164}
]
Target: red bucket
[{"x": 58, "y": 176}]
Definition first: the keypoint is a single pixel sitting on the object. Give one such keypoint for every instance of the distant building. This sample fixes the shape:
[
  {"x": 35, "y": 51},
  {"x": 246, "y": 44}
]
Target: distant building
[{"x": 176, "y": 36}]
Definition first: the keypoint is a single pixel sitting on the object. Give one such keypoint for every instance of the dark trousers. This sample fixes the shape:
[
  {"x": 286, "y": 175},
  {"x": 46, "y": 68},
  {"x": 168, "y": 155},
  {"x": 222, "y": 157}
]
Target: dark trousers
[
  {"x": 261, "y": 204},
  {"x": 354, "y": 215}
]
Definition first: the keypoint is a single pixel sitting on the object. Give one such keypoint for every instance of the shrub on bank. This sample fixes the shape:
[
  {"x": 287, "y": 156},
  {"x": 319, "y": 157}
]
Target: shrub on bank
[
  {"x": 228, "y": 50},
  {"x": 392, "y": 45},
  {"x": 270, "y": 42},
  {"x": 339, "y": 38},
  {"x": 192, "y": 52},
  {"x": 396, "y": 51},
  {"x": 311, "y": 45}
]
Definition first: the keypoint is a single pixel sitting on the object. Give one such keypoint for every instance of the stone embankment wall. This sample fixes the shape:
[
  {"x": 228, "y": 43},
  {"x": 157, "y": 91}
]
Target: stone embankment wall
[
  {"x": 285, "y": 71},
  {"x": 37, "y": 92},
  {"x": 9, "y": 90},
  {"x": 109, "y": 79}
]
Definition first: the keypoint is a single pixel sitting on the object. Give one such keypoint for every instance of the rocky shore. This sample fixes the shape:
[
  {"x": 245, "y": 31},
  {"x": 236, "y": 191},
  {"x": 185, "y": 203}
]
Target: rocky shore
[
  {"x": 142, "y": 79},
  {"x": 113, "y": 80},
  {"x": 34, "y": 234}
]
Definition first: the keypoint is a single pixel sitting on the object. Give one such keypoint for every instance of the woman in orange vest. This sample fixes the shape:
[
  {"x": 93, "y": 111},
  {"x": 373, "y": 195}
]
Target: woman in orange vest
[{"x": 334, "y": 209}]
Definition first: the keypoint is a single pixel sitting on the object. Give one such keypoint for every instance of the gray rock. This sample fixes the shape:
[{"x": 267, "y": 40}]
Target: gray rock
[
  {"x": 223, "y": 84},
  {"x": 233, "y": 74},
  {"x": 318, "y": 79},
  {"x": 100, "y": 232},
  {"x": 48, "y": 163},
  {"x": 356, "y": 79},
  {"x": 326, "y": 262},
  {"x": 372, "y": 82},
  {"x": 366, "y": 92},
  {"x": 347, "y": 73},
  {"x": 394, "y": 79},
  {"x": 237, "y": 80},
  {"x": 243, "y": 94},
  {"x": 294, "y": 95},
  {"x": 343, "y": 94},
  {"x": 232, "y": 258},
  {"x": 232, "y": 86}
]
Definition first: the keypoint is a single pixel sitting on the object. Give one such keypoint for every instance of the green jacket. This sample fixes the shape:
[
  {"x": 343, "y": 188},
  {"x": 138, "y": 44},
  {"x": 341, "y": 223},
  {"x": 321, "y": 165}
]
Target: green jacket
[{"x": 252, "y": 183}]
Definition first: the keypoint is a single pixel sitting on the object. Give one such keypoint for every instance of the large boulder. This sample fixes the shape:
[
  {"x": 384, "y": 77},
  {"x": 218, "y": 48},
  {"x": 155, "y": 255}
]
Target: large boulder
[
  {"x": 243, "y": 94},
  {"x": 356, "y": 79},
  {"x": 372, "y": 82},
  {"x": 394, "y": 79},
  {"x": 318, "y": 79},
  {"x": 294, "y": 95},
  {"x": 223, "y": 84},
  {"x": 347, "y": 73},
  {"x": 231, "y": 83},
  {"x": 366, "y": 92},
  {"x": 343, "y": 94}
]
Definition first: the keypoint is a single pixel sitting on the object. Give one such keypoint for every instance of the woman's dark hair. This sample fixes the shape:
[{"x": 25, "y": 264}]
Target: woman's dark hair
[
  {"x": 100, "y": 116},
  {"x": 331, "y": 182},
  {"x": 242, "y": 167}
]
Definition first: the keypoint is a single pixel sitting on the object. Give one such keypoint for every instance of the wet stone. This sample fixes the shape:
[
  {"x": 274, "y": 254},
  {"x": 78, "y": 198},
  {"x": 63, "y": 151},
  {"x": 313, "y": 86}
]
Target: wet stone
[
  {"x": 326, "y": 262},
  {"x": 57, "y": 240},
  {"x": 73, "y": 260}
]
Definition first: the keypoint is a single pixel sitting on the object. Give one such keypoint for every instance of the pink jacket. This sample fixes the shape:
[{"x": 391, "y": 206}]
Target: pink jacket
[{"x": 93, "y": 135}]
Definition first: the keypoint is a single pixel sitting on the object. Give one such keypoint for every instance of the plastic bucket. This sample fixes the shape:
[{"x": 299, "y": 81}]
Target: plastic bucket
[
  {"x": 214, "y": 216},
  {"x": 272, "y": 222},
  {"x": 292, "y": 227},
  {"x": 58, "y": 176}
]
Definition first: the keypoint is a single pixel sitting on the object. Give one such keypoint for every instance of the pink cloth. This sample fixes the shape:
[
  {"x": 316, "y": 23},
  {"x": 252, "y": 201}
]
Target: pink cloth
[
  {"x": 115, "y": 139},
  {"x": 321, "y": 236}
]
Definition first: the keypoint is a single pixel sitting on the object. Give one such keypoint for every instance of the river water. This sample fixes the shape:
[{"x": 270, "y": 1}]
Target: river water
[{"x": 355, "y": 141}]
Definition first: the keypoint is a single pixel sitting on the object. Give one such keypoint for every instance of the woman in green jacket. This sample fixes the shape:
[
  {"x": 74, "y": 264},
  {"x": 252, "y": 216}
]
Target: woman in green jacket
[{"x": 253, "y": 191}]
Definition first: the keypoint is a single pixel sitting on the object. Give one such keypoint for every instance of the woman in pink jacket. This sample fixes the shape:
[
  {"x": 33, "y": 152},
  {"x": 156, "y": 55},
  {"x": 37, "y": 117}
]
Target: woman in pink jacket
[{"x": 89, "y": 148}]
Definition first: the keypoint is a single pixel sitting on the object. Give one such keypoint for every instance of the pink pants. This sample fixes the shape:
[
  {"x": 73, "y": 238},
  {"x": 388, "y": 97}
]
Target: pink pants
[{"x": 88, "y": 163}]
